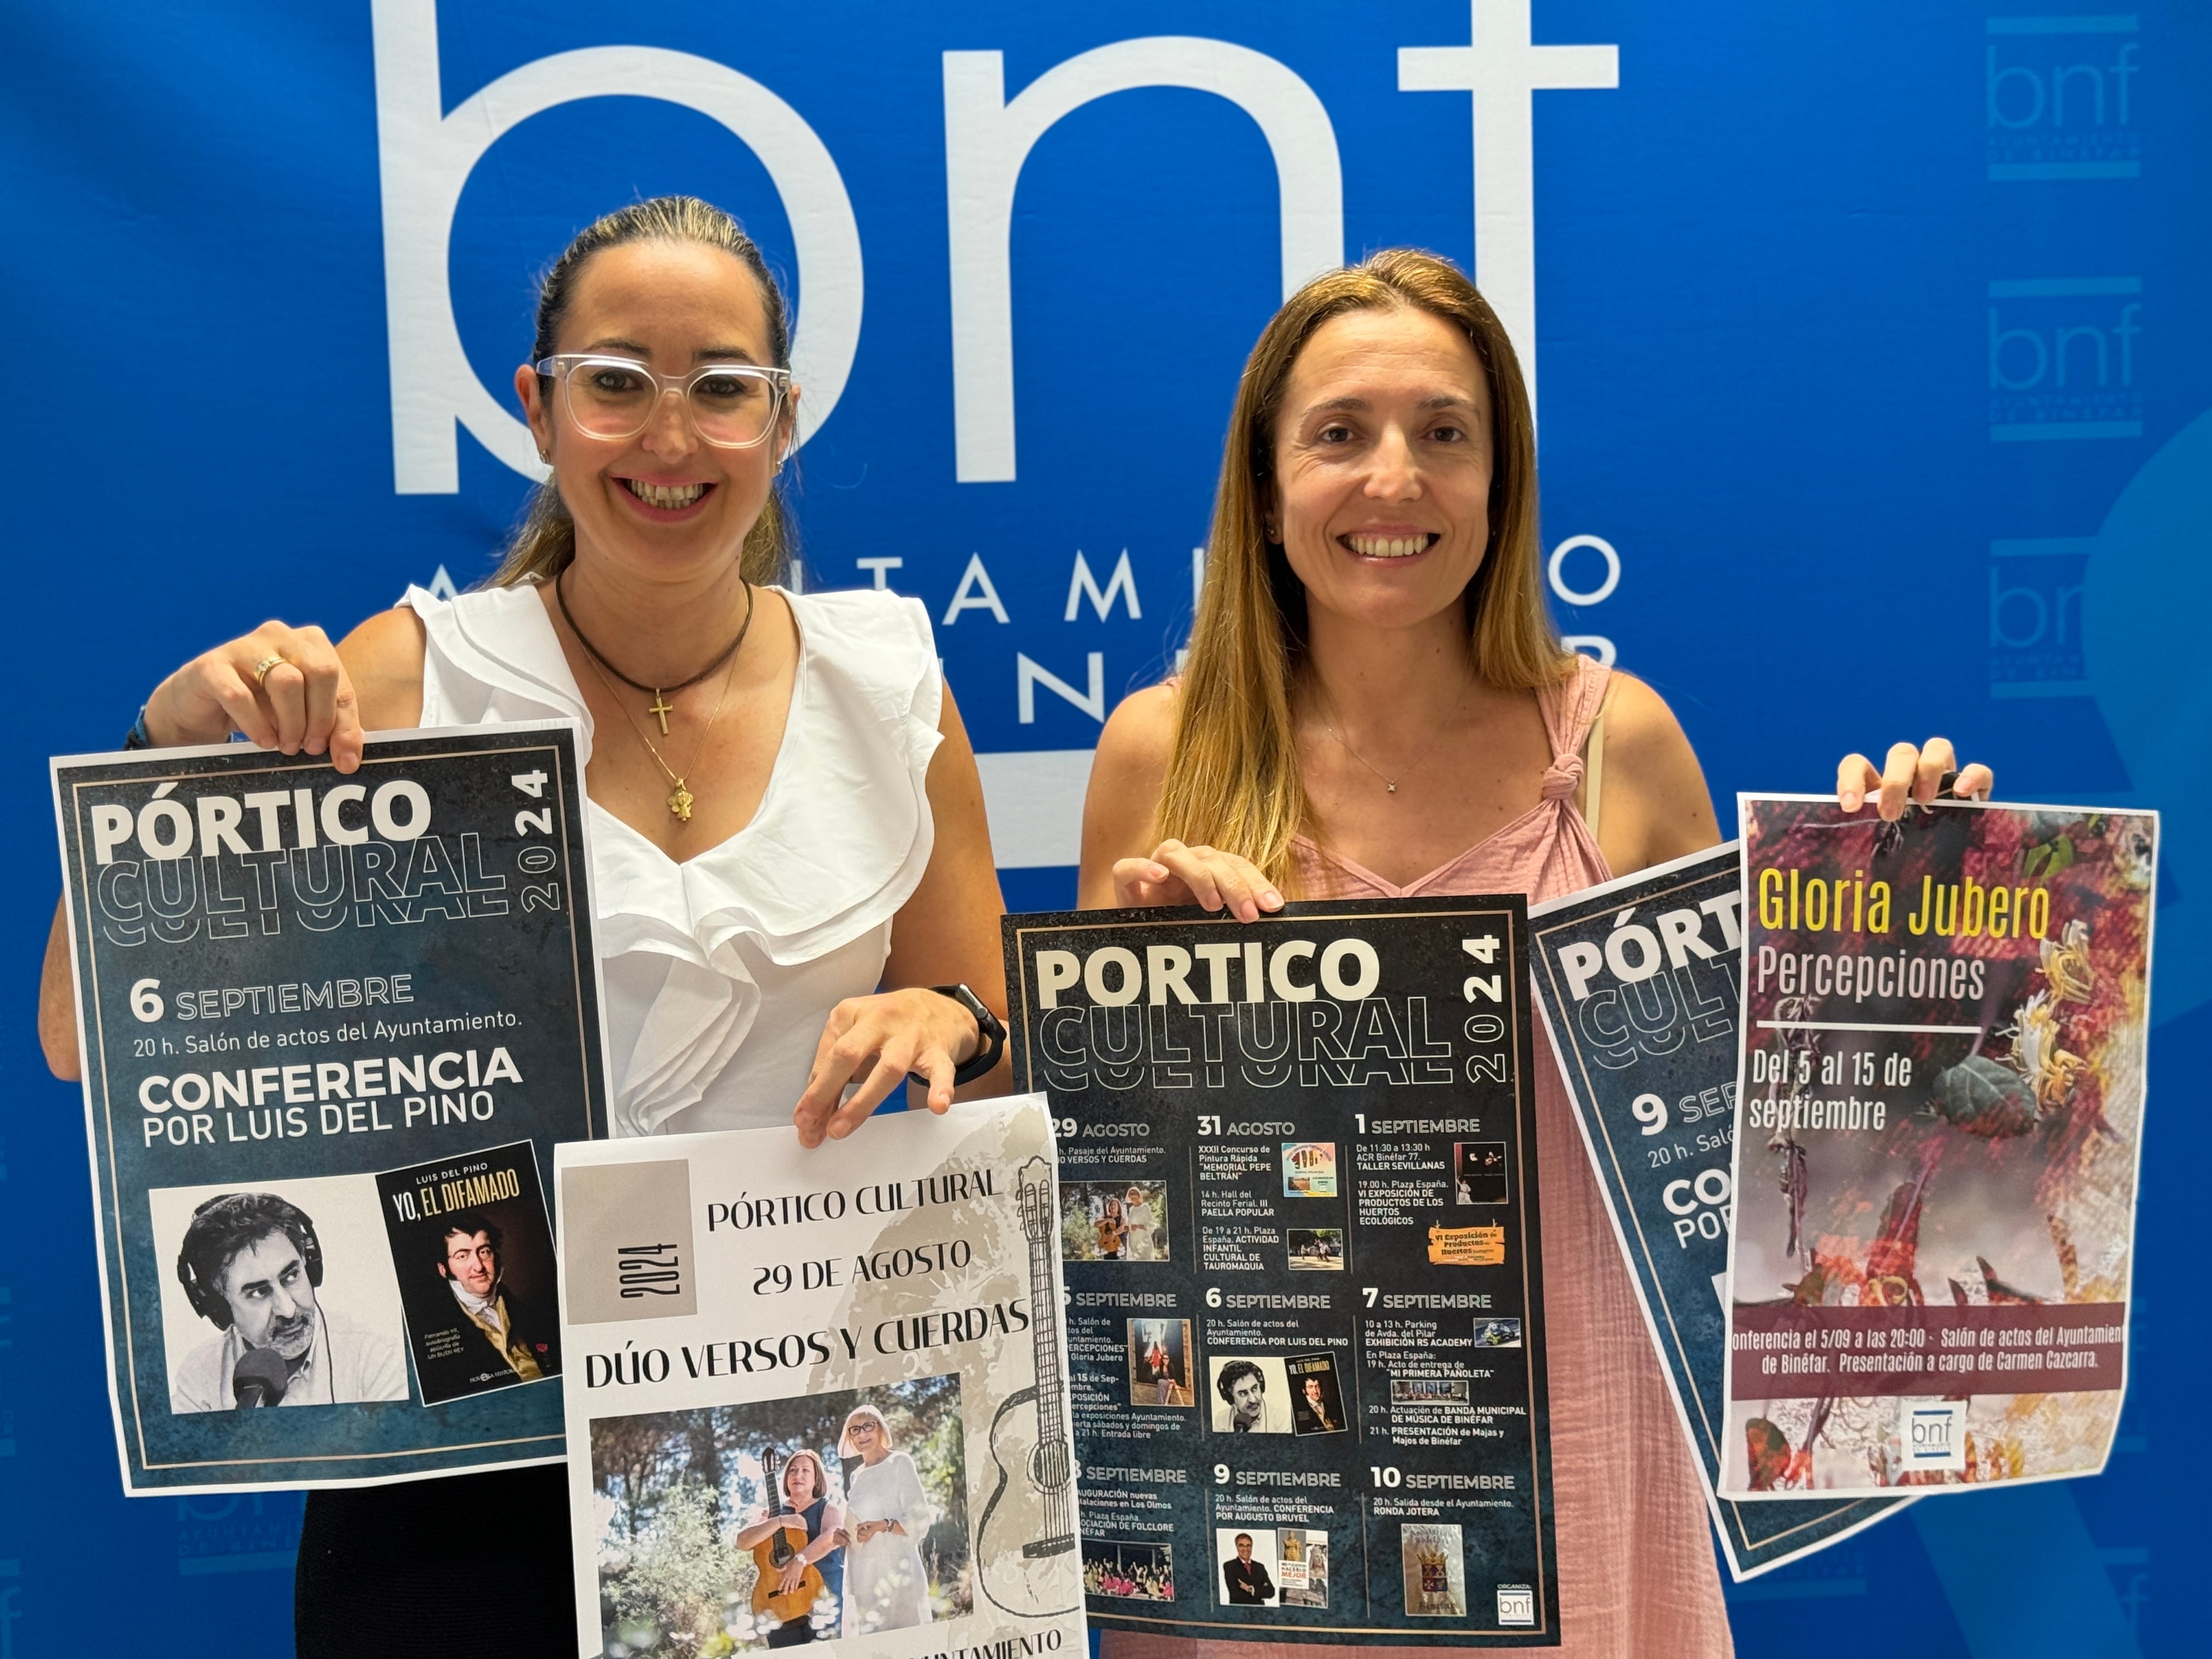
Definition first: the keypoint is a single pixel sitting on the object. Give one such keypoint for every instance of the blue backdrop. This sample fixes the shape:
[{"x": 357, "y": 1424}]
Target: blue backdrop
[{"x": 1875, "y": 381}]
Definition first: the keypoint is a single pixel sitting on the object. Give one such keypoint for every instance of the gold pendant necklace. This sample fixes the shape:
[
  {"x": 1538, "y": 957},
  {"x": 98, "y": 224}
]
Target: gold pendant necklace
[
  {"x": 680, "y": 798},
  {"x": 1389, "y": 783}
]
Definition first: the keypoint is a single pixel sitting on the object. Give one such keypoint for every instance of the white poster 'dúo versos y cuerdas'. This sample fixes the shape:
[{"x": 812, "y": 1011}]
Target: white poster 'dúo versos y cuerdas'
[{"x": 821, "y": 1388}]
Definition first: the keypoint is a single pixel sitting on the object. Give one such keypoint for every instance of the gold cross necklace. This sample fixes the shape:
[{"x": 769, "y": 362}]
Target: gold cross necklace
[
  {"x": 661, "y": 707},
  {"x": 680, "y": 798}
]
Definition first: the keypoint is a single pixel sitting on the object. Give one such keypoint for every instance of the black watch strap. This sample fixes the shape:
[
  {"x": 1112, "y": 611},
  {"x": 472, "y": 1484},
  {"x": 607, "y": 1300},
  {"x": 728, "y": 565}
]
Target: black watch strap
[{"x": 990, "y": 1032}]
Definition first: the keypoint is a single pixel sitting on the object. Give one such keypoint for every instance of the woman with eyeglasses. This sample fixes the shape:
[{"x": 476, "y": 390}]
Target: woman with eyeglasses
[
  {"x": 789, "y": 846},
  {"x": 887, "y": 1515},
  {"x": 1375, "y": 705}
]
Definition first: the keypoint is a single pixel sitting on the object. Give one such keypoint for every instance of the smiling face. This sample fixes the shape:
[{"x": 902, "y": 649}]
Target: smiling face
[
  {"x": 865, "y": 1437},
  {"x": 663, "y": 504},
  {"x": 272, "y": 1302},
  {"x": 1382, "y": 463}
]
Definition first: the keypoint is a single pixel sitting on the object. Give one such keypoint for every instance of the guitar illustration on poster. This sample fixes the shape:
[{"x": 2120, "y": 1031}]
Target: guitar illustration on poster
[{"x": 1035, "y": 1487}]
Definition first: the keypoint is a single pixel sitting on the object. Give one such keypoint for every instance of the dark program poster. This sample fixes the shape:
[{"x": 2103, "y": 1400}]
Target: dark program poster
[
  {"x": 290, "y": 983},
  {"x": 1297, "y": 1217},
  {"x": 1637, "y": 980}
]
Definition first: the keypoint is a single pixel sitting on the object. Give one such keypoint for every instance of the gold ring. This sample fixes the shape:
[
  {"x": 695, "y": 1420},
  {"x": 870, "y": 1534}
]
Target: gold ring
[{"x": 261, "y": 669}]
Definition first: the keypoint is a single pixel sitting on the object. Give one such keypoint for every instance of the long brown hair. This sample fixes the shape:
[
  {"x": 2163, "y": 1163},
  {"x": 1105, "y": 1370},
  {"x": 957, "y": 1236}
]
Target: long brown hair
[
  {"x": 1232, "y": 778},
  {"x": 545, "y": 542}
]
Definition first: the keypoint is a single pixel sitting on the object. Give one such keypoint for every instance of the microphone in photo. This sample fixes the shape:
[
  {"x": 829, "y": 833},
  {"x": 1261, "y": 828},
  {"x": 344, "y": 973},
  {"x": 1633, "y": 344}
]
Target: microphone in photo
[{"x": 259, "y": 1378}]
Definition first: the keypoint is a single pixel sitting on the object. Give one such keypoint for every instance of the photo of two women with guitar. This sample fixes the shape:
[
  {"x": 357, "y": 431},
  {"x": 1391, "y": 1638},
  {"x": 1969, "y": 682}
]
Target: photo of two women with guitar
[{"x": 790, "y": 1521}]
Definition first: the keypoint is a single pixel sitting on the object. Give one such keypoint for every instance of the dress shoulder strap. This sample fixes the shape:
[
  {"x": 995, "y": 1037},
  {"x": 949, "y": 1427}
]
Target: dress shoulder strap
[{"x": 1571, "y": 706}]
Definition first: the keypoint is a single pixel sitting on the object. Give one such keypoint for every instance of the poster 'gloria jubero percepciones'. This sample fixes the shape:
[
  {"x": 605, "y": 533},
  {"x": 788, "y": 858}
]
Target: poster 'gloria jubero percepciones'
[
  {"x": 332, "y": 1027},
  {"x": 1940, "y": 1131},
  {"x": 821, "y": 1396}
]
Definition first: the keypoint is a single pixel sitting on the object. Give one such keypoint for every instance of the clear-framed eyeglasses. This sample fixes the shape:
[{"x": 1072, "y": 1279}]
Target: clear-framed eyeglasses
[{"x": 731, "y": 406}]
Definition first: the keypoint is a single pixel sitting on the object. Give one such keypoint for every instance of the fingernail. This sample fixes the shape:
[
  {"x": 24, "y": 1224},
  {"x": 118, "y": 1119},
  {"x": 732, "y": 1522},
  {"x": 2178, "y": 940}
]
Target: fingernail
[
  {"x": 1159, "y": 872},
  {"x": 1271, "y": 898}
]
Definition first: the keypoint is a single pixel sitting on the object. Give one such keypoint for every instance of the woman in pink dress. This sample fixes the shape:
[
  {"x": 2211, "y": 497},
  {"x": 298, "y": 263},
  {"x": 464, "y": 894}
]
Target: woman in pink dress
[{"x": 1375, "y": 705}]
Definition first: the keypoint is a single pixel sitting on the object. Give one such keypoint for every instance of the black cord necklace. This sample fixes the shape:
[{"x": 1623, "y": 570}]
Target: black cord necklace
[{"x": 661, "y": 707}]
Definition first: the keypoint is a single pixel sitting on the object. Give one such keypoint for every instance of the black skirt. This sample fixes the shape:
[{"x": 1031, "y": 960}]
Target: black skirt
[{"x": 472, "y": 1563}]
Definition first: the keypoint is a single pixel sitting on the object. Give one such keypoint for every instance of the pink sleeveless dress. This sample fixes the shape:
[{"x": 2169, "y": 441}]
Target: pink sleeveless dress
[{"x": 1636, "y": 1571}]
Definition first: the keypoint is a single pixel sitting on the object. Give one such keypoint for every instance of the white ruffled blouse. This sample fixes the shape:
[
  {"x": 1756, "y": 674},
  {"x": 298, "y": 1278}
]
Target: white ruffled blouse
[{"x": 719, "y": 973}]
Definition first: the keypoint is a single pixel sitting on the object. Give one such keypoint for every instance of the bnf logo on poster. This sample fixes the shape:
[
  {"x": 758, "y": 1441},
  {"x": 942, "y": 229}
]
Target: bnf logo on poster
[{"x": 1934, "y": 1434}]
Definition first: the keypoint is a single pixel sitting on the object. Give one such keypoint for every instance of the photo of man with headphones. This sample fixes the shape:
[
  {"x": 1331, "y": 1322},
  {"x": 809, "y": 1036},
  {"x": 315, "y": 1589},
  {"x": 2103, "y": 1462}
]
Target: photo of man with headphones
[{"x": 252, "y": 1266}]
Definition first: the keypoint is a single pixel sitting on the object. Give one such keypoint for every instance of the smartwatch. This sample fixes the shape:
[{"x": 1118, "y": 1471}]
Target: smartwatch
[{"x": 990, "y": 1033}]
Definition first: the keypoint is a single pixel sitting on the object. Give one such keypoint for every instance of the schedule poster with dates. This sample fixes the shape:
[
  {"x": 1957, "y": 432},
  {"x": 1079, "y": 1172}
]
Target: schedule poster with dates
[
  {"x": 332, "y": 1025},
  {"x": 1636, "y": 982},
  {"x": 1942, "y": 1090},
  {"x": 1298, "y": 1213}
]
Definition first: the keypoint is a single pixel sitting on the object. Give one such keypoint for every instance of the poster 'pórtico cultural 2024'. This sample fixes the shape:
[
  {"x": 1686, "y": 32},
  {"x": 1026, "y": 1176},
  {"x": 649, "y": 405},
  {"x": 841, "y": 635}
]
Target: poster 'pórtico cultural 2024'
[
  {"x": 332, "y": 1026},
  {"x": 1298, "y": 1207}
]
